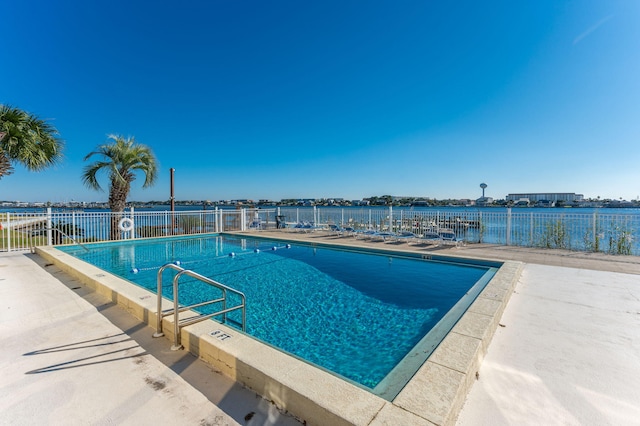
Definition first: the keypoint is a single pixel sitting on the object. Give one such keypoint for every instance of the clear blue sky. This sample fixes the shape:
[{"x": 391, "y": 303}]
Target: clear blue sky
[{"x": 292, "y": 99}]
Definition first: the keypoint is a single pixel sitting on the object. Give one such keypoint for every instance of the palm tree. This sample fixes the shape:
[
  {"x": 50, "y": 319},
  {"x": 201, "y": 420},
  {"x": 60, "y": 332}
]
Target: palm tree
[
  {"x": 122, "y": 158},
  {"x": 28, "y": 140}
]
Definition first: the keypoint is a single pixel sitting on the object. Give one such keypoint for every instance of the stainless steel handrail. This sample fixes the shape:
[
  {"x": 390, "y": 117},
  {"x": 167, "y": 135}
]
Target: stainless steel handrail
[
  {"x": 177, "y": 324},
  {"x": 160, "y": 313},
  {"x": 68, "y": 236}
]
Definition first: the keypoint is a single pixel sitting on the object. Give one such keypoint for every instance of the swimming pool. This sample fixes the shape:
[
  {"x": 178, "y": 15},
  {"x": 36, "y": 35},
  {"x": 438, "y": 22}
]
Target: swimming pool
[{"x": 370, "y": 317}]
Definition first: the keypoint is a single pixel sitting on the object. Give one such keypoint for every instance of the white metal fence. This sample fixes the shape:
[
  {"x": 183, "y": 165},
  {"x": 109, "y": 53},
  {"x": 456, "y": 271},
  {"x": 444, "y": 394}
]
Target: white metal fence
[{"x": 598, "y": 232}]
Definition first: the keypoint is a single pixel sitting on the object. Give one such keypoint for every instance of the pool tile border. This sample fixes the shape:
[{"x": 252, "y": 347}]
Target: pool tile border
[{"x": 434, "y": 396}]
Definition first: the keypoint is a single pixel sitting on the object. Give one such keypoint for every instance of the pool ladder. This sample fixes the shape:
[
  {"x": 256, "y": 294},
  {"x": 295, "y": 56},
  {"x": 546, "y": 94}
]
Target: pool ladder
[{"x": 175, "y": 311}]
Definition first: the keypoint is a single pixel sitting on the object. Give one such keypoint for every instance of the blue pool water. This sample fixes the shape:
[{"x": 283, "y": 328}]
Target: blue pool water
[{"x": 355, "y": 314}]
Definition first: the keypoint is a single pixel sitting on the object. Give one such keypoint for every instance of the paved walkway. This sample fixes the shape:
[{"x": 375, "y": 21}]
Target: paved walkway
[{"x": 569, "y": 353}]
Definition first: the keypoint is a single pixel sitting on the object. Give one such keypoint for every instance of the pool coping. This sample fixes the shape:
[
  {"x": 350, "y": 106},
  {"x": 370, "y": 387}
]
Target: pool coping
[{"x": 434, "y": 395}]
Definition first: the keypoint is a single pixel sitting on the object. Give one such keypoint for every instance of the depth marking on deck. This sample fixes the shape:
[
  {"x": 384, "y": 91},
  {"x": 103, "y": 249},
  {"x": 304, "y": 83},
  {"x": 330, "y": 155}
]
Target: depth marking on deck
[{"x": 220, "y": 335}]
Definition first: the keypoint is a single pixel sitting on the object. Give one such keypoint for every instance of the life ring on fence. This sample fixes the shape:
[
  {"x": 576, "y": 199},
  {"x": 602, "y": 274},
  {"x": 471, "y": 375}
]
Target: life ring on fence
[{"x": 125, "y": 224}]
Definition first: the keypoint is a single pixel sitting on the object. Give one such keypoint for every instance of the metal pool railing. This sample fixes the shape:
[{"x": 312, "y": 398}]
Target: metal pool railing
[
  {"x": 177, "y": 308},
  {"x": 597, "y": 231}
]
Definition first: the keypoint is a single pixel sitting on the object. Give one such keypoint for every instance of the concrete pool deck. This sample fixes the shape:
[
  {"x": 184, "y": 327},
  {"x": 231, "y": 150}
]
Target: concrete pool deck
[
  {"x": 568, "y": 352},
  {"x": 71, "y": 356}
]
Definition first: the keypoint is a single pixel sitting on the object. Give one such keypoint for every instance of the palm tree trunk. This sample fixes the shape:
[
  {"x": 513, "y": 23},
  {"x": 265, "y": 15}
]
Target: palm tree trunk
[
  {"x": 114, "y": 233},
  {"x": 117, "y": 202}
]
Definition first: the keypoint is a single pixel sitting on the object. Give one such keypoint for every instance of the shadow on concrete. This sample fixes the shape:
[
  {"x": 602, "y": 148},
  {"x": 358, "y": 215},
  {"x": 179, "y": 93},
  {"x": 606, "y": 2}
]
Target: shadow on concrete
[
  {"x": 242, "y": 404},
  {"x": 80, "y": 361},
  {"x": 76, "y": 345}
]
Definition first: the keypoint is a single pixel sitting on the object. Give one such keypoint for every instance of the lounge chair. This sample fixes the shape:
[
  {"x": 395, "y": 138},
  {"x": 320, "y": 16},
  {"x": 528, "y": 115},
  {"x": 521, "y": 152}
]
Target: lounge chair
[
  {"x": 306, "y": 227},
  {"x": 348, "y": 231},
  {"x": 430, "y": 237},
  {"x": 340, "y": 231},
  {"x": 407, "y": 236},
  {"x": 384, "y": 236},
  {"x": 364, "y": 233},
  {"x": 335, "y": 229},
  {"x": 448, "y": 237}
]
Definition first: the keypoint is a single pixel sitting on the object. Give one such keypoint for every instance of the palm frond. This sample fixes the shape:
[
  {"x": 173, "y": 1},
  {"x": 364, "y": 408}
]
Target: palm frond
[
  {"x": 29, "y": 140},
  {"x": 121, "y": 159}
]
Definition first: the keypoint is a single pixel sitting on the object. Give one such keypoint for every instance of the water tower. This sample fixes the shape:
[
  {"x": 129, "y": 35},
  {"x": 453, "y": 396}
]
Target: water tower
[{"x": 483, "y": 186}]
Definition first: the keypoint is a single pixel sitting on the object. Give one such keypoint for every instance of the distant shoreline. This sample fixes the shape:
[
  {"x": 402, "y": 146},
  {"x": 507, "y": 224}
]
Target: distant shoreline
[{"x": 180, "y": 207}]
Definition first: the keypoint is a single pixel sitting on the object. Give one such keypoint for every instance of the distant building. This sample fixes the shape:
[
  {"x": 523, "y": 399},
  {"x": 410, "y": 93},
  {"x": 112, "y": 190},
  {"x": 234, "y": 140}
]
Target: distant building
[
  {"x": 545, "y": 203},
  {"x": 484, "y": 201},
  {"x": 553, "y": 197}
]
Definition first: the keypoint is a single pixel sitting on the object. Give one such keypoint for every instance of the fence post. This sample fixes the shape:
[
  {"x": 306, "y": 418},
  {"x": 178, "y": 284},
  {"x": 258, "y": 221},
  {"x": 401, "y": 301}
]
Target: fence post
[
  {"x": 49, "y": 227},
  {"x": 595, "y": 231},
  {"x": 2, "y": 231},
  {"x": 132, "y": 235},
  {"x": 166, "y": 223},
  {"x": 508, "y": 239},
  {"x": 8, "y": 231},
  {"x": 531, "y": 225},
  {"x": 390, "y": 218},
  {"x": 73, "y": 223}
]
